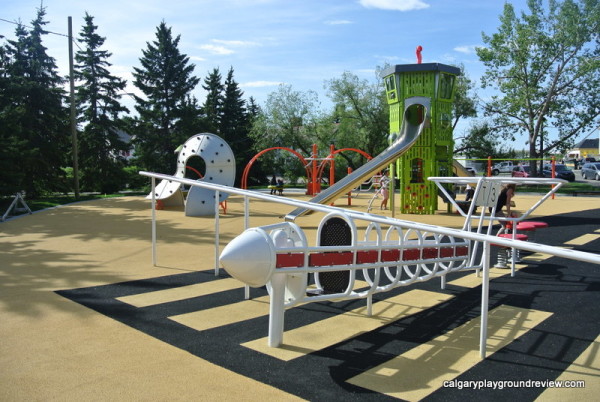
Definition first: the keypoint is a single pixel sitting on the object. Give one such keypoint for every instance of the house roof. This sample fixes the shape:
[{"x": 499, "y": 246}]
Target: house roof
[{"x": 588, "y": 143}]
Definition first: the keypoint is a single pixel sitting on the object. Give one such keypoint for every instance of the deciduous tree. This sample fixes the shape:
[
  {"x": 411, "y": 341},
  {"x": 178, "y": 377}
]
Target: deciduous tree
[
  {"x": 465, "y": 102},
  {"x": 361, "y": 113},
  {"x": 545, "y": 64},
  {"x": 479, "y": 142},
  {"x": 289, "y": 119}
]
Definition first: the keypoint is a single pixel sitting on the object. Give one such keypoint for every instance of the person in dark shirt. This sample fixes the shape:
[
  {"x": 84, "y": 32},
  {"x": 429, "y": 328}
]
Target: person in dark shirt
[
  {"x": 470, "y": 192},
  {"x": 505, "y": 202}
]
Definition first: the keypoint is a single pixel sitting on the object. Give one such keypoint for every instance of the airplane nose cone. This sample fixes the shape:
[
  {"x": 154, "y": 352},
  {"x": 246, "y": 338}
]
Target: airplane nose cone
[{"x": 250, "y": 257}]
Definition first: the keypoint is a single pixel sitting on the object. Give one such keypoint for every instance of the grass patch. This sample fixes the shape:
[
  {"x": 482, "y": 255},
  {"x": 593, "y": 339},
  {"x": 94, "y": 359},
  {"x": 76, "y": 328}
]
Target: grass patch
[{"x": 569, "y": 188}]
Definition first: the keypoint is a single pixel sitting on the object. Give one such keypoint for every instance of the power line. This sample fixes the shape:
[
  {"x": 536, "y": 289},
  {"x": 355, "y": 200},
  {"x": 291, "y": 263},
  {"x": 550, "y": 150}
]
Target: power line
[{"x": 44, "y": 30}]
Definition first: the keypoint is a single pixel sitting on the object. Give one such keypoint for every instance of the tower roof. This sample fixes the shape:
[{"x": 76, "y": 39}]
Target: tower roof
[{"x": 404, "y": 68}]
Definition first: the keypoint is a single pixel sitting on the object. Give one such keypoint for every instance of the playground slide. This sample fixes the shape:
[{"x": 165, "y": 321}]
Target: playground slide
[
  {"x": 459, "y": 170},
  {"x": 409, "y": 133}
]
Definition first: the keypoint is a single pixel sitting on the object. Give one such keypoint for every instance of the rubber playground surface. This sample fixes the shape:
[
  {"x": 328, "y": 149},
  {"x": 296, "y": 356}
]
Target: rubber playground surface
[{"x": 84, "y": 315}]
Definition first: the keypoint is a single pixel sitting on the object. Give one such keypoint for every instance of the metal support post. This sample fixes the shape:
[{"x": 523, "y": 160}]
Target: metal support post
[
  {"x": 154, "y": 221},
  {"x": 485, "y": 298}
]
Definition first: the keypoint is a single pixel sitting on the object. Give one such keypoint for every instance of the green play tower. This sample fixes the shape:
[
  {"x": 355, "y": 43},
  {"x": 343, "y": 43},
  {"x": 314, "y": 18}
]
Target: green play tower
[{"x": 416, "y": 92}]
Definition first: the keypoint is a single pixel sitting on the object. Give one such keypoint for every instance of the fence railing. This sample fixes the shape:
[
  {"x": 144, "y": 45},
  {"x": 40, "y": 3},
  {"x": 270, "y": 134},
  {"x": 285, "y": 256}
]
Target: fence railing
[{"x": 424, "y": 238}]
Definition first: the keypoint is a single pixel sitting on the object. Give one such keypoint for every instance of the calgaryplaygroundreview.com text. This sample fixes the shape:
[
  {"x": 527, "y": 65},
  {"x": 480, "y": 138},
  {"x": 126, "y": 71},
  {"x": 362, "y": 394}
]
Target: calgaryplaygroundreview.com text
[{"x": 501, "y": 384}]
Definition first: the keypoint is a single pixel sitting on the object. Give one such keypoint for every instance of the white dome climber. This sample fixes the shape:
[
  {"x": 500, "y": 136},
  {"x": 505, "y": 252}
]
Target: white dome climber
[{"x": 220, "y": 169}]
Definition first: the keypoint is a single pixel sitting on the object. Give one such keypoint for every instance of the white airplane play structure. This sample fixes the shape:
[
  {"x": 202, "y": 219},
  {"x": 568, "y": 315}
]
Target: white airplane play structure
[{"x": 390, "y": 252}]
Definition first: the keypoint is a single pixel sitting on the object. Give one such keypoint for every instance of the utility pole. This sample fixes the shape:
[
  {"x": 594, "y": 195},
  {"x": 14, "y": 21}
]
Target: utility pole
[
  {"x": 73, "y": 117},
  {"x": 541, "y": 148}
]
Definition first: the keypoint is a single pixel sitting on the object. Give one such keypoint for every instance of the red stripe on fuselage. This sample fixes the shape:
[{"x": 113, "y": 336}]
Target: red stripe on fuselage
[{"x": 289, "y": 260}]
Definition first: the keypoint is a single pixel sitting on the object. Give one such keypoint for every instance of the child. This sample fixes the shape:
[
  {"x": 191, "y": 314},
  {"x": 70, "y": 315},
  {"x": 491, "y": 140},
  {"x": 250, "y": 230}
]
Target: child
[{"x": 385, "y": 192}]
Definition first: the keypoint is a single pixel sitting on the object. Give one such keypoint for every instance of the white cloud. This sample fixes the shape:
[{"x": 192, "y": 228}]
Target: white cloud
[
  {"x": 236, "y": 43},
  {"x": 224, "y": 47},
  {"x": 396, "y": 5},
  {"x": 467, "y": 49},
  {"x": 449, "y": 58},
  {"x": 260, "y": 84},
  {"x": 214, "y": 49},
  {"x": 382, "y": 59},
  {"x": 338, "y": 22}
]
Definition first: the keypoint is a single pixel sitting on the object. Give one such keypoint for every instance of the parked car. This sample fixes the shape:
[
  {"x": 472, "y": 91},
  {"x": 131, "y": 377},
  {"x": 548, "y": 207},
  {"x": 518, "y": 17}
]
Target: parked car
[
  {"x": 502, "y": 167},
  {"x": 560, "y": 172},
  {"x": 520, "y": 171},
  {"x": 579, "y": 163},
  {"x": 591, "y": 171}
]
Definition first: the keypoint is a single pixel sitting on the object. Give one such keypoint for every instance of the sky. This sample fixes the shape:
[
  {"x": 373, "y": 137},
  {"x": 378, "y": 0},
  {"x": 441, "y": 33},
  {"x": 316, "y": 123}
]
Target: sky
[{"x": 301, "y": 43}]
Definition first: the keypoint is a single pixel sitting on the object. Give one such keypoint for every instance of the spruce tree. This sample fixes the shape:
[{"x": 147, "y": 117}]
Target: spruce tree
[
  {"x": 11, "y": 175},
  {"x": 234, "y": 122},
  {"x": 233, "y": 116},
  {"x": 98, "y": 93},
  {"x": 253, "y": 110},
  {"x": 213, "y": 105},
  {"x": 262, "y": 168},
  {"x": 192, "y": 120},
  {"x": 165, "y": 78},
  {"x": 37, "y": 115}
]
